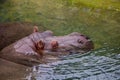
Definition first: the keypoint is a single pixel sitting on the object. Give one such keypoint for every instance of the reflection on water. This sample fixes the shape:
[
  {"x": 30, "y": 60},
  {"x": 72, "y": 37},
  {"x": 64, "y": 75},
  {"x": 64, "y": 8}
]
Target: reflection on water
[{"x": 88, "y": 66}]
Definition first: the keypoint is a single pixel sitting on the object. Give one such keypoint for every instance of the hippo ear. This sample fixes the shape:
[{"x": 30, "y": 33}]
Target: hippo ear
[
  {"x": 75, "y": 34},
  {"x": 35, "y": 29}
]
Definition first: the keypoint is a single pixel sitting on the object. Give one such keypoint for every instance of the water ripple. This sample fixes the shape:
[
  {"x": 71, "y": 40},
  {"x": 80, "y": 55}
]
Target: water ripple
[{"x": 79, "y": 67}]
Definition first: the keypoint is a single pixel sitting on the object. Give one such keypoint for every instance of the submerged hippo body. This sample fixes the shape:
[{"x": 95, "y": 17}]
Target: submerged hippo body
[{"x": 24, "y": 50}]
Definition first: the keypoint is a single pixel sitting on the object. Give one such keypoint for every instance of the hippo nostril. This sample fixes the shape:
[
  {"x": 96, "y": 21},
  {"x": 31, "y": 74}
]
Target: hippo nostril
[
  {"x": 82, "y": 35},
  {"x": 80, "y": 41}
]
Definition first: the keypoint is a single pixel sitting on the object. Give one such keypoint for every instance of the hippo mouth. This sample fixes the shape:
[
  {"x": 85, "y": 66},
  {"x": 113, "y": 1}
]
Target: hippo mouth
[
  {"x": 84, "y": 48},
  {"x": 87, "y": 46}
]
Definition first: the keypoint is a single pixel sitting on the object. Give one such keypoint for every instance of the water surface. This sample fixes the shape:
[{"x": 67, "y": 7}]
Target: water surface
[{"x": 100, "y": 23}]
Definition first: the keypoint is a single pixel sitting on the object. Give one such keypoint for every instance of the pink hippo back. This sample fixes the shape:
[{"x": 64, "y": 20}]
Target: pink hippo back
[
  {"x": 23, "y": 51},
  {"x": 26, "y": 45}
]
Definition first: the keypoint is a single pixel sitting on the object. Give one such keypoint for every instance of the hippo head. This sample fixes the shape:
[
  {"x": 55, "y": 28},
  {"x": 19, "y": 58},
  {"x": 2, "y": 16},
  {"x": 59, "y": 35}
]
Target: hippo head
[
  {"x": 74, "y": 42},
  {"x": 33, "y": 44}
]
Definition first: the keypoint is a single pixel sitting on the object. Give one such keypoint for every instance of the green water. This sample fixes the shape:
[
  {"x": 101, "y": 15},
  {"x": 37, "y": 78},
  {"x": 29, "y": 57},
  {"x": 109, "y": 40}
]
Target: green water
[{"x": 101, "y": 22}]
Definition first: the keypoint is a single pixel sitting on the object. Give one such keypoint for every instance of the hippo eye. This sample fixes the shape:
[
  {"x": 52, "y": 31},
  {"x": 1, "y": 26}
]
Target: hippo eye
[
  {"x": 81, "y": 35},
  {"x": 80, "y": 41},
  {"x": 87, "y": 37}
]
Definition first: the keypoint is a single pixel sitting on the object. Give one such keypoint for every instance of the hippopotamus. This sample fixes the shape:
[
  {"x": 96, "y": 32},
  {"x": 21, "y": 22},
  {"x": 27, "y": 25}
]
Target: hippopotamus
[{"x": 39, "y": 46}]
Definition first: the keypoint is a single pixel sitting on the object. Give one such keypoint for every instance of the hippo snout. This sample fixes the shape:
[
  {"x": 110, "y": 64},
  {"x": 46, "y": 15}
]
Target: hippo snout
[{"x": 89, "y": 45}]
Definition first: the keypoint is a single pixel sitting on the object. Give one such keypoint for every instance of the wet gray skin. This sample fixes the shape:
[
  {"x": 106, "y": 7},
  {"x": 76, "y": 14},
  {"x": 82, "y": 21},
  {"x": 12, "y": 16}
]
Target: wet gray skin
[
  {"x": 24, "y": 51},
  {"x": 74, "y": 42}
]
